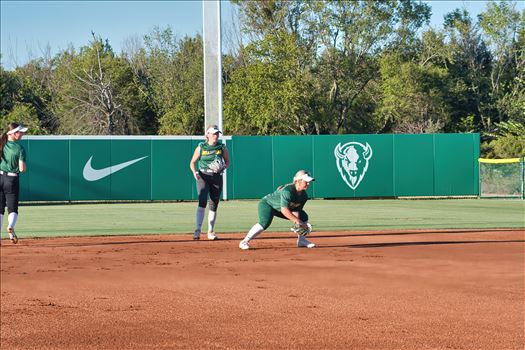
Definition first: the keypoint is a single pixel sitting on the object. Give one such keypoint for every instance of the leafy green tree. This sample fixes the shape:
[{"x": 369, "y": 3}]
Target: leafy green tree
[
  {"x": 10, "y": 85},
  {"x": 136, "y": 57},
  {"x": 504, "y": 29},
  {"x": 175, "y": 68},
  {"x": 508, "y": 142},
  {"x": 260, "y": 18},
  {"x": 339, "y": 43},
  {"x": 271, "y": 94},
  {"x": 25, "y": 98},
  {"x": 24, "y": 114},
  {"x": 469, "y": 71},
  {"x": 433, "y": 49},
  {"x": 354, "y": 34},
  {"x": 413, "y": 96},
  {"x": 36, "y": 77}
]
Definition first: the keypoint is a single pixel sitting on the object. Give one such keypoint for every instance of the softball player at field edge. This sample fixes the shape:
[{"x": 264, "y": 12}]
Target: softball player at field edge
[
  {"x": 13, "y": 163},
  {"x": 286, "y": 202},
  {"x": 213, "y": 159}
]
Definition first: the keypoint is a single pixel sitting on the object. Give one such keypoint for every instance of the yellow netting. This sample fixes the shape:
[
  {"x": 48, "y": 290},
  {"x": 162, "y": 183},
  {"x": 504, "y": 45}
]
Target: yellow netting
[{"x": 499, "y": 161}]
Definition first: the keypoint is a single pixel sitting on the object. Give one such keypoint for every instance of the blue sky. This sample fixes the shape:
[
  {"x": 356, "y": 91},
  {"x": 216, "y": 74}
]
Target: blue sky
[{"x": 27, "y": 27}]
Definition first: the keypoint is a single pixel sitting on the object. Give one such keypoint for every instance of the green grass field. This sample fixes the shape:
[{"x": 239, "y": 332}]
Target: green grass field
[{"x": 239, "y": 216}]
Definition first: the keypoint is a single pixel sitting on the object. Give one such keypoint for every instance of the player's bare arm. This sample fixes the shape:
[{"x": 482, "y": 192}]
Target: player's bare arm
[
  {"x": 226, "y": 157},
  {"x": 193, "y": 160},
  {"x": 290, "y": 216}
]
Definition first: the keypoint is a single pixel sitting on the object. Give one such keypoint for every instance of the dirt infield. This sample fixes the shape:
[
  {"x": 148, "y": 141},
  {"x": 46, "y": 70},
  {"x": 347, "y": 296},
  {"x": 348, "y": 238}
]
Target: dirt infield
[{"x": 448, "y": 289}]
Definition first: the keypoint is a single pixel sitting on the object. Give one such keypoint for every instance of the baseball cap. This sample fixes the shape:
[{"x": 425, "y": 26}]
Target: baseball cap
[
  {"x": 19, "y": 128},
  {"x": 213, "y": 130},
  {"x": 303, "y": 175}
]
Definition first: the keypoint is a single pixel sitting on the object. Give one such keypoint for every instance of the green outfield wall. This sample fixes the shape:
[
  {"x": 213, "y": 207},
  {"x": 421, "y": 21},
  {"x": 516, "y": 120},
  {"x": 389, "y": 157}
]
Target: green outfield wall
[{"x": 82, "y": 168}]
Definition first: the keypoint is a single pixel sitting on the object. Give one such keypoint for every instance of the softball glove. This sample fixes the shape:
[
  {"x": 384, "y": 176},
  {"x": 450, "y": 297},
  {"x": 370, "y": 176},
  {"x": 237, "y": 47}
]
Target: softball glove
[
  {"x": 301, "y": 230},
  {"x": 217, "y": 166}
]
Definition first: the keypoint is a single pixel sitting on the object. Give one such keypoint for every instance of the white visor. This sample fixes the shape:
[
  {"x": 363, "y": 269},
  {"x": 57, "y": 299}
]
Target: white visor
[
  {"x": 305, "y": 177},
  {"x": 213, "y": 130},
  {"x": 19, "y": 128}
]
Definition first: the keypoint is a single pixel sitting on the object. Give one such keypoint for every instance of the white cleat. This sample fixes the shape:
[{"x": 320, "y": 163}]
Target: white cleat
[
  {"x": 302, "y": 242},
  {"x": 244, "y": 245},
  {"x": 196, "y": 235},
  {"x": 212, "y": 236},
  {"x": 12, "y": 235}
]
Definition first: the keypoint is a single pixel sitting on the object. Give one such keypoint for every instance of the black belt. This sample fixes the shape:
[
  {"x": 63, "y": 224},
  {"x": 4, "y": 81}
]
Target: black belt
[{"x": 7, "y": 173}]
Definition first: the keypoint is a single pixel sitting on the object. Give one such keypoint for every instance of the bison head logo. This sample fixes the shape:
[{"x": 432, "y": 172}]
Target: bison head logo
[{"x": 352, "y": 161}]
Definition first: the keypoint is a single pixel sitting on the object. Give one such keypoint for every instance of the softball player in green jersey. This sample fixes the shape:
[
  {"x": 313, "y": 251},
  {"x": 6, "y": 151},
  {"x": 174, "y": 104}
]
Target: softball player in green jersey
[
  {"x": 13, "y": 163},
  {"x": 212, "y": 156},
  {"x": 286, "y": 202}
]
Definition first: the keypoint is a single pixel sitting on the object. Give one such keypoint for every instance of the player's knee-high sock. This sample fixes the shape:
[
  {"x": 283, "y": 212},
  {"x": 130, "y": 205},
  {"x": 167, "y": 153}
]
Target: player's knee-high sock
[
  {"x": 11, "y": 219},
  {"x": 199, "y": 217},
  {"x": 212, "y": 215},
  {"x": 254, "y": 232}
]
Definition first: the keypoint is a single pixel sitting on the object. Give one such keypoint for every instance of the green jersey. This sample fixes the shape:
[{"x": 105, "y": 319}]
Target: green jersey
[
  {"x": 13, "y": 152},
  {"x": 286, "y": 197},
  {"x": 209, "y": 153}
]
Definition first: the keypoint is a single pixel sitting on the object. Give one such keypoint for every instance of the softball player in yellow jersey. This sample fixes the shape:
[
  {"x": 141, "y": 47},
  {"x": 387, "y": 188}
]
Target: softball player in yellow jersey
[
  {"x": 286, "y": 202},
  {"x": 213, "y": 158},
  {"x": 13, "y": 163}
]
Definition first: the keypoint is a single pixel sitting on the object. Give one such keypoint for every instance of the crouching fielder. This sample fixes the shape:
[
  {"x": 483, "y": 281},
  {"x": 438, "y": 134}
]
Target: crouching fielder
[{"x": 286, "y": 202}]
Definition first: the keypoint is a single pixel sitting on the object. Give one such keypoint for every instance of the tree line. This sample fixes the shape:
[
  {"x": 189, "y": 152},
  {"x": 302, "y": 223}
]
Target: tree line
[{"x": 303, "y": 67}]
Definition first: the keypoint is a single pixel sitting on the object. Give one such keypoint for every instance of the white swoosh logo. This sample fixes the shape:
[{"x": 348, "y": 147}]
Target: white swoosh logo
[{"x": 91, "y": 174}]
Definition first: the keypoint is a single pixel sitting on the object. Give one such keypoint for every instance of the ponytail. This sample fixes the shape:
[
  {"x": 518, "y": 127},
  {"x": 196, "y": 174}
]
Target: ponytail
[{"x": 3, "y": 141}]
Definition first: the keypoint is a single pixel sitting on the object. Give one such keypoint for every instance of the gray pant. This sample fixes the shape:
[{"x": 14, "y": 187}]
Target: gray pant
[
  {"x": 209, "y": 184},
  {"x": 9, "y": 191}
]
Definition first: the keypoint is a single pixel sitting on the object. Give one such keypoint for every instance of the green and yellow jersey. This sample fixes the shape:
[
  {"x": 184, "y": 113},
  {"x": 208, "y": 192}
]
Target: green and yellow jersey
[
  {"x": 286, "y": 196},
  {"x": 209, "y": 153}
]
